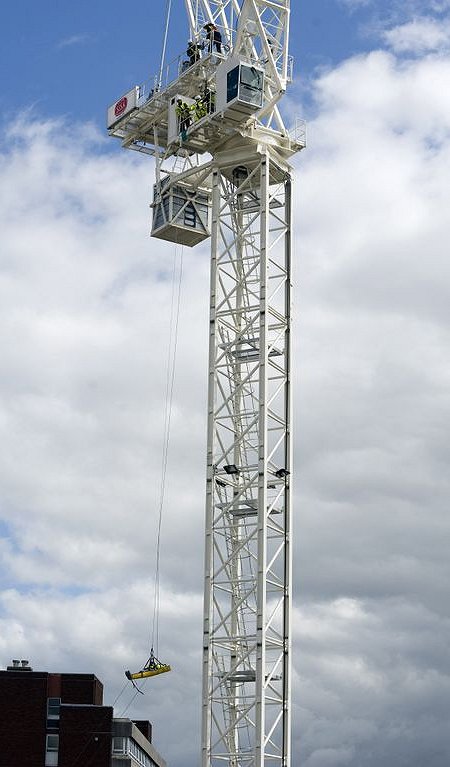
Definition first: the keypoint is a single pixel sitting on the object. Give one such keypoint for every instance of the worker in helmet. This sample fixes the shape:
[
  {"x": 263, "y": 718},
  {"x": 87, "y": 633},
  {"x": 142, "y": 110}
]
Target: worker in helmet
[
  {"x": 193, "y": 52},
  {"x": 179, "y": 110},
  {"x": 200, "y": 109},
  {"x": 183, "y": 113},
  {"x": 213, "y": 37}
]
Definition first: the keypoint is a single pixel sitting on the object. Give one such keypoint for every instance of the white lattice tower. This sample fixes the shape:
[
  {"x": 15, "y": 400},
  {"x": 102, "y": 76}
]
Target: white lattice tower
[
  {"x": 246, "y": 675},
  {"x": 237, "y": 157}
]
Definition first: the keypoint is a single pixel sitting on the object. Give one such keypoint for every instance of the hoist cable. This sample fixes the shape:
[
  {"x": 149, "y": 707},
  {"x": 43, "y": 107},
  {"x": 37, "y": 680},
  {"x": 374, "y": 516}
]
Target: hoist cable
[
  {"x": 177, "y": 276},
  {"x": 132, "y": 699},
  {"x": 163, "y": 52},
  {"x": 120, "y": 694}
]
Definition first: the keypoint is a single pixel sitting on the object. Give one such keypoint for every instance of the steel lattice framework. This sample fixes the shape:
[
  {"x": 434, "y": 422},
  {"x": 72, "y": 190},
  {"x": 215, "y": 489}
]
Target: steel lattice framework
[
  {"x": 246, "y": 675},
  {"x": 267, "y": 44},
  {"x": 227, "y": 173}
]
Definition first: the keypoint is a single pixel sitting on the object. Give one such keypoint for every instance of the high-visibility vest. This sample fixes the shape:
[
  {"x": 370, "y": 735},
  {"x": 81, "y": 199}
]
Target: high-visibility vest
[{"x": 200, "y": 109}]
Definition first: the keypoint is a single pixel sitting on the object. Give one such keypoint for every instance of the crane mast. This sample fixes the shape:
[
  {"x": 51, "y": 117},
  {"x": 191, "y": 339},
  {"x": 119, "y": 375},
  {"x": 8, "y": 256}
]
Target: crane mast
[{"x": 224, "y": 173}]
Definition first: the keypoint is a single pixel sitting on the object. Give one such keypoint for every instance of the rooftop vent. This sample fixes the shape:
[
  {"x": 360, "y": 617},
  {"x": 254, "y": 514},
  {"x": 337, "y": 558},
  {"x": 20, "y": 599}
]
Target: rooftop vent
[{"x": 19, "y": 665}]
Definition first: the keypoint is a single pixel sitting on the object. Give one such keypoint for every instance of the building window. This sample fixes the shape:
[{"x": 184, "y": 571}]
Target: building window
[
  {"x": 51, "y": 750},
  {"x": 138, "y": 755},
  {"x": 119, "y": 745},
  {"x": 52, "y": 743},
  {"x": 53, "y": 706},
  {"x": 129, "y": 747}
]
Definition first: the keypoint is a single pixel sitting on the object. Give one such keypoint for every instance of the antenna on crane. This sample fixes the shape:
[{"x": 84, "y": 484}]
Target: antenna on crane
[
  {"x": 222, "y": 155},
  {"x": 163, "y": 52}
]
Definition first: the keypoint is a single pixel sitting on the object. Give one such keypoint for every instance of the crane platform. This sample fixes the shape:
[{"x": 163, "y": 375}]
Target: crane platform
[{"x": 146, "y": 127}]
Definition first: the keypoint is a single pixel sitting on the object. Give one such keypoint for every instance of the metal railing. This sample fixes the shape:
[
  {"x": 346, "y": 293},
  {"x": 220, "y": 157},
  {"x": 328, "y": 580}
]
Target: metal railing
[
  {"x": 182, "y": 63},
  {"x": 298, "y": 132},
  {"x": 290, "y": 68}
]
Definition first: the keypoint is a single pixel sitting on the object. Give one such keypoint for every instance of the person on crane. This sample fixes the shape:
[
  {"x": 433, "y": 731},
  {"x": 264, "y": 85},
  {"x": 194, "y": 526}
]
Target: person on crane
[
  {"x": 193, "y": 52},
  {"x": 200, "y": 108},
  {"x": 213, "y": 37},
  {"x": 209, "y": 98},
  {"x": 184, "y": 115}
]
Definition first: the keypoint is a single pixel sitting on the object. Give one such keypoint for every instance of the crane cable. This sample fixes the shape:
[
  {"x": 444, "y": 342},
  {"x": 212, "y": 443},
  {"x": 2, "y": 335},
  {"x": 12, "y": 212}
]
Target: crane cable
[
  {"x": 132, "y": 699},
  {"x": 170, "y": 377},
  {"x": 177, "y": 276},
  {"x": 163, "y": 52}
]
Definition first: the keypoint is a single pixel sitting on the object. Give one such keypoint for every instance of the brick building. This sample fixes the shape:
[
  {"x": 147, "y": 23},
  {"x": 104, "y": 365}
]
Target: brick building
[{"x": 59, "y": 720}]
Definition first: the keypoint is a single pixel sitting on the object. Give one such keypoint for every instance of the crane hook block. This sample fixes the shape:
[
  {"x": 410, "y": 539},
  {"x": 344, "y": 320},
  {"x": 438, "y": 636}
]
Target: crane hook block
[{"x": 153, "y": 667}]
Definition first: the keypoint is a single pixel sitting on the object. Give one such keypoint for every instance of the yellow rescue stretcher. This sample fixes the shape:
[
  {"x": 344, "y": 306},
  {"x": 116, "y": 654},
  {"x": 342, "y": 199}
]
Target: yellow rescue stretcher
[{"x": 153, "y": 667}]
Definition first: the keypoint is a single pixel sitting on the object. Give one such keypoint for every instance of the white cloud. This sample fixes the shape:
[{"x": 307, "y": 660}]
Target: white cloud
[
  {"x": 373, "y": 402},
  {"x": 84, "y": 297},
  {"x": 353, "y": 5},
  {"x": 439, "y": 6},
  {"x": 68, "y": 42},
  {"x": 418, "y": 36},
  {"x": 77, "y": 263}
]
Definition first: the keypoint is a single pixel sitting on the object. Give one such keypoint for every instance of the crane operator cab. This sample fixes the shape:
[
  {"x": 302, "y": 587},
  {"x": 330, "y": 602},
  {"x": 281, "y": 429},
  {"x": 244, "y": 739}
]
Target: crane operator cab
[{"x": 240, "y": 89}]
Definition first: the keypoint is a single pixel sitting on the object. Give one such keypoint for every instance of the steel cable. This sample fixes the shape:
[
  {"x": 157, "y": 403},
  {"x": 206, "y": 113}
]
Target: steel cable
[{"x": 177, "y": 277}]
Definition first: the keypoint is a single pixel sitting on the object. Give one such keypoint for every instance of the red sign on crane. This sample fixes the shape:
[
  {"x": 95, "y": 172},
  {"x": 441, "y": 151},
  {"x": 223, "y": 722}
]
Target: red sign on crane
[{"x": 121, "y": 106}]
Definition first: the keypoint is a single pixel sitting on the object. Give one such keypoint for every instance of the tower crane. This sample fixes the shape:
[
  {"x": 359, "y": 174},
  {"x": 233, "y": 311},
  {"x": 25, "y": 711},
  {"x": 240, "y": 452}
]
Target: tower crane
[{"x": 211, "y": 121}]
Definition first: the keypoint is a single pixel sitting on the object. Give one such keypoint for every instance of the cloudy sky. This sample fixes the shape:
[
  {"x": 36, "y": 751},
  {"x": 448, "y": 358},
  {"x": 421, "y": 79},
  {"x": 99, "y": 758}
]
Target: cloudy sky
[{"x": 84, "y": 321}]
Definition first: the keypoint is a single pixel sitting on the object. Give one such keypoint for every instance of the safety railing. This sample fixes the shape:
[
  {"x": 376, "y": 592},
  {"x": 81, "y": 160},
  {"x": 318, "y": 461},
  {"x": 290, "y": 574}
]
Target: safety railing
[
  {"x": 298, "y": 132},
  {"x": 290, "y": 68},
  {"x": 199, "y": 52}
]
